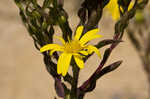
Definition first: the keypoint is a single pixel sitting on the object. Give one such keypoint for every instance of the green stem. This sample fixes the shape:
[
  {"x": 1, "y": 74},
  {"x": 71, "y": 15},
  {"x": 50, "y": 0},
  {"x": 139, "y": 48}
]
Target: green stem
[{"x": 73, "y": 93}]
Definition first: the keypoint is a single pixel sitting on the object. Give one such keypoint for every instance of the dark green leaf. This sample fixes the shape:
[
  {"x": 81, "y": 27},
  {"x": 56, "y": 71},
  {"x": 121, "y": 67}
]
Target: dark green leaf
[
  {"x": 59, "y": 88},
  {"x": 47, "y": 3},
  {"x": 106, "y": 42},
  {"x": 108, "y": 69},
  {"x": 106, "y": 55}
]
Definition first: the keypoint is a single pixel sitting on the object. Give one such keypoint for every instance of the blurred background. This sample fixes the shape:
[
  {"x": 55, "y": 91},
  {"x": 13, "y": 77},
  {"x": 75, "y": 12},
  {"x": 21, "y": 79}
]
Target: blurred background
[{"x": 23, "y": 74}]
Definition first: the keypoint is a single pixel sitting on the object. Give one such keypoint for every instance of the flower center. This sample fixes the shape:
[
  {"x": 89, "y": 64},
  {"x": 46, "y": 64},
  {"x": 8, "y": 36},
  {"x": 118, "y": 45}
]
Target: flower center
[{"x": 73, "y": 47}]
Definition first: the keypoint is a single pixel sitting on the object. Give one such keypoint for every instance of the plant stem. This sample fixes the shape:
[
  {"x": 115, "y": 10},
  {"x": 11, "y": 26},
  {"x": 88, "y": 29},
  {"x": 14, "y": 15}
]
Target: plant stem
[{"x": 73, "y": 93}]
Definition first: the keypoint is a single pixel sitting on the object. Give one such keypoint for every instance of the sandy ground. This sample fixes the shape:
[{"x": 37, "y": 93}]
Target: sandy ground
[{"x": 23, "y": 75}]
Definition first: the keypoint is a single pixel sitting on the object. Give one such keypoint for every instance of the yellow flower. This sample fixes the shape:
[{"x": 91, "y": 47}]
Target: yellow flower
[
  {"x": 113, "y": 8},
  {"x": 76, "y": 48}
]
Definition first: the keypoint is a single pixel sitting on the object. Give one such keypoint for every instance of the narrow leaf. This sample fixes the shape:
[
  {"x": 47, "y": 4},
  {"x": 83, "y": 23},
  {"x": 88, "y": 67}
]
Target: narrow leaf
[
  {"x": 109, "y": 68},
  {"x": 46, "y": 3},
  {"x": 106, "y": 42},
  {"x": 59, "y": 88}
]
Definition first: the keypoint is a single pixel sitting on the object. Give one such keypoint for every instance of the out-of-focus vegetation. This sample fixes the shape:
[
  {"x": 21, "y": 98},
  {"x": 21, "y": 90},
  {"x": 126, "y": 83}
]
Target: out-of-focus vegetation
[{"x": 139, "y": 34}]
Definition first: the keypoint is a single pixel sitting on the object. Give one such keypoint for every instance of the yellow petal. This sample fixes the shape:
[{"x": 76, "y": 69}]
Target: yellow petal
[
  {"x": 50, "y": 47},
  {"x": 59, "y": 64},
  {"x": 79, "y": 62},
  {"x": 54, "y": 50},
  {"x": 93, "y": 49},
  {"x": 67, "y": 59},
  {"x": 78, "y": 55},
  {"x": 131, "y": 5},
  {"x": 83, "y": 52},
  {"x": 61, "y": 39},
  {"x": 78, "y": 32},
  {"x": 88, "y": 34},
  {"x": 63, "y": 63},
  {"x": 88, "y": 38},
  {"x": 112, "y": 7},
  {"x": 116, "y": 15}
]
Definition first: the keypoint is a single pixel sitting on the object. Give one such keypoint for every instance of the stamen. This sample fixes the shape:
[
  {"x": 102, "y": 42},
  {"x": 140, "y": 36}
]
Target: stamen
[{"x": 73, "y": 46}]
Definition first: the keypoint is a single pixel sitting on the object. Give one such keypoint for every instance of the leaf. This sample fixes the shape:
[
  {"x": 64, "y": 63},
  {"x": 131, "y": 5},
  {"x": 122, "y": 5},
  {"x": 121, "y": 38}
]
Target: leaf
[
  {"x": 44, "y": 25},
  {"x": 90, "y": 84},
  {"x": 46, "y": 3},
  {"x": 68, "y": 78},
  {"x": 50, "y": 33},
  {"x": 23, "y": 17},
  {"x": 59, "y": 88},
  {"x": 31, "y": 29},
  {"x": 36, "y": 14},
  {"x": 106, "y": 55},
  {"x": 55, "y": 3},
  {"x": 108, "y": 69},
  {"x": 106, "y": 42}
]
